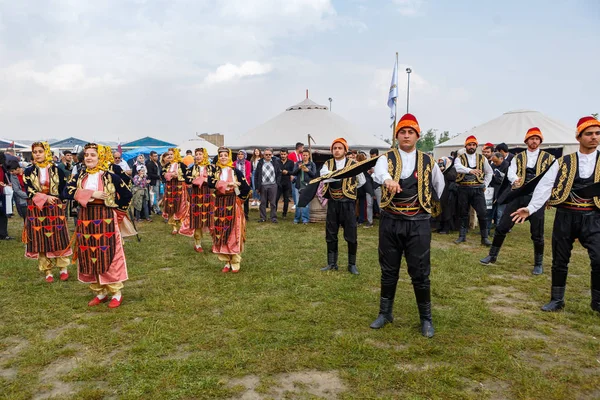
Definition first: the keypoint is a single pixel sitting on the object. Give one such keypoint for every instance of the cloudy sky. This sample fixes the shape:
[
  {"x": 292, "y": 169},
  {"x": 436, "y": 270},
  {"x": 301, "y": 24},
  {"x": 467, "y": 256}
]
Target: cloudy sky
[{"x": 123, "y": 69}]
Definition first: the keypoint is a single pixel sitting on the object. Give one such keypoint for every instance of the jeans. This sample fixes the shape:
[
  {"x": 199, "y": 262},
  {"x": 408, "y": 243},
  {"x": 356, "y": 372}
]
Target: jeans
[
  {"x": 295, "y": 195},
  {"x": 369, "y": 209},
  {"x": 155, "y": 196},
  {"x": 255, "y": 194},
  {"x": 302, "y": 214},
  {"x": 144, "y": 212}
]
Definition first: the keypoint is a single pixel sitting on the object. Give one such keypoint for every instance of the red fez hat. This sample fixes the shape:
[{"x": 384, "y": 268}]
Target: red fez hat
[
  {"x": 471, "y": 139},
  {"x": 488, "y": 145},
  {"x": 585, "y": 123},
  {"x": 535, "y": 131},
  {"x": 408, "y": 121}
]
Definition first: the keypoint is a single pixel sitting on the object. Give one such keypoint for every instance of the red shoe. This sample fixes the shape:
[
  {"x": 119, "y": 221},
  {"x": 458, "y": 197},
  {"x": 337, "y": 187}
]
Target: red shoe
[
  {"x": 235, "y": 271},
  {"x": 114, "y": 303},
  {"x": 96, "y": 300},
  {"x": 64, "y": 277},
  {"x": 49, "y": 278},
  {"x": 225, "y": 268},
  {"x": 198, "y": 249}
]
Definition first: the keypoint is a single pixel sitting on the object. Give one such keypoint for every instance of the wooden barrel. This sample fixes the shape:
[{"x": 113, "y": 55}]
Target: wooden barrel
[{"x": 318, "y": 213}]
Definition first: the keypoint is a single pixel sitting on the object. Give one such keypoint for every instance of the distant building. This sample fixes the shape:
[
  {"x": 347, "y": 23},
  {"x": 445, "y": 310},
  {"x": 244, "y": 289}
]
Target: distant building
[{"x": 215, "y": 138}]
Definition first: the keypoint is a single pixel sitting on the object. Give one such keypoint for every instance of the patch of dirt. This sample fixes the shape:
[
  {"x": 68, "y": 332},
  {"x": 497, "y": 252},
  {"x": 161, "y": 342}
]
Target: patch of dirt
[
  {"x": 543, "y": 361},
  {"x": 52, "y": 334},
  {"x": 408, "y": 367},
  {"x": 14, "y": 345},
  {"x": 51, "y": 376},
  {"x": 527, "y": 334},
  {"x": 139, "y": 282},
  {"x": 316, "y": 304},
  {"x": 503, "y": 299},
  {"x": 385, "y": 346},
  {"x": 8, "y": 373},
  {"x": 493, "y": 389},
  {"x": 180, "y": 353},
  {"x": 326, "y": 385},
  {"x": 165, "y": 269}
]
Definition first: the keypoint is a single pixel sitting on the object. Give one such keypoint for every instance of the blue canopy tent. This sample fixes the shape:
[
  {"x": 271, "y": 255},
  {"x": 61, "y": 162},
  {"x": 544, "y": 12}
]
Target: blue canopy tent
[{"x": 130, "y": 155}]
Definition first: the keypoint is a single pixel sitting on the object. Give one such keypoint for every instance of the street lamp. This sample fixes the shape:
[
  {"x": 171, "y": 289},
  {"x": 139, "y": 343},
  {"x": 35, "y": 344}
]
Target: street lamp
[
  {"x": 330, "y": 100},
  {"x": 408, "y": 71}
]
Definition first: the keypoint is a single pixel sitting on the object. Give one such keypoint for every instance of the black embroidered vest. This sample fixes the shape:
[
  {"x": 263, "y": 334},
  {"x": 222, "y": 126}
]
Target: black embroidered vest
[
  {"x": 470, "y": 178},
  {"x": 568, "y": 179},
  {"x": 345, "y": 188}
]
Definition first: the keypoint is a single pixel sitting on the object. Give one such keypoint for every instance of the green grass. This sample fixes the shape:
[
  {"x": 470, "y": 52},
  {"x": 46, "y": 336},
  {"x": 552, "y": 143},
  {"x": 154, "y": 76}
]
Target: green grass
[{"x": 186, "y": 330}]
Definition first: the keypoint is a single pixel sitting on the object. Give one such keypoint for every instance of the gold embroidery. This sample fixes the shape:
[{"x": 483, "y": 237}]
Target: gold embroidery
[
  {"x": 479, "y": 165},
  {"x": 567, "y": 169},
  {"x": 394, "y": 158},
  {"x": 597, "y": 179}
]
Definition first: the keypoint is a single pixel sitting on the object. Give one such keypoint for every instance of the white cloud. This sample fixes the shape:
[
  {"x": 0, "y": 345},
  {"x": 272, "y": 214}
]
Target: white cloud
[
  {"x": 229, "y": 72},
  {"x": 64, "y": 77},
  {"x": 409, "y": 8}
]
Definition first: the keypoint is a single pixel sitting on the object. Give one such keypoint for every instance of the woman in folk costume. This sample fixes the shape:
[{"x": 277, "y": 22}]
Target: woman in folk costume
[
  {"x": 202, "y": 201},
  {"x": 46, "y": 231},
  {"x": 229, "y": 232},
  {"x": 103, "y": 198},
  {"x": 175, "y": 201}
]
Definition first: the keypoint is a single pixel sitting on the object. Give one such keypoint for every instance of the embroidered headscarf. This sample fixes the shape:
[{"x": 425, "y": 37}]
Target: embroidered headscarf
[
  {"x": 103, "y": 164},
  {"x": 176, "y": 155},
  {"x": 108, "y": 159},
  {"x": 48, "y": 160},
  {"x": 229, "y": 162},
  {"x": 205, "y": 161}
]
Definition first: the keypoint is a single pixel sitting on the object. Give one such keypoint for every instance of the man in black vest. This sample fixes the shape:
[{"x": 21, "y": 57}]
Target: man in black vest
[
  {"x": 474, "y": 174},
  {"x": 524, "y": 167},
  {"x": 408, "y": 199},
  {"x": 341, "y": 207},
  {"x": 577, "y": 212},
  {"x": 285, "y": 188}
]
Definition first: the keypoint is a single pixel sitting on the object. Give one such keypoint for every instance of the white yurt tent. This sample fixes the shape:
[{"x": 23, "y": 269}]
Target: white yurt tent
[
  {"x": 510, "y": 128},
  {"x": 198, "y": 142},
  {"x": 297, "y": 122}
]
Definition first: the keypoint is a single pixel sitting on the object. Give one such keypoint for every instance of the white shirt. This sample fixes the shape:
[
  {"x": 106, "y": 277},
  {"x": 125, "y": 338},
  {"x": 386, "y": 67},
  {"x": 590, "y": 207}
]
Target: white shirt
[
  {"x": 532, "y": 157},
  {"x": 543, "y": 190},
  {"x": 43, "y": 175},
  {"x": 225, "y": 174},
  {"x": 91, "y": 183},
  {"x": 472, "y": 160},
  {"x": 381, "y": 173},
  {"x": 340, "y": 164},
  {"x": 124, "y": 166}
]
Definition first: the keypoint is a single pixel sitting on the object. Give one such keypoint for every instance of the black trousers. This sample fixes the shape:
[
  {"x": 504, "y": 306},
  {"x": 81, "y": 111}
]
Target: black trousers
[
  {"x": 536, "y": 221},
  {"x": 341, "y": 213},
  {"x": 473, "y": 197},
  {"x": 247, "y": 208},
  {"x": 568, "y": 226},
  {"x": 3, "y": 225},
  {"x": 285, "y": 190},
  {"x": 408, "y": 238}
]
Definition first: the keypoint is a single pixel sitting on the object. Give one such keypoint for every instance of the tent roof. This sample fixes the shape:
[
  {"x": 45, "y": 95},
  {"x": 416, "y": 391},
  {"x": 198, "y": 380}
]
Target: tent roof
[
  {"x": 68, "y": 143},
  {"x": 147, "y": 142},
  {"x": 511, "y": 127},
  {"x": 195, "y": 143},
  {"x": 296, "y": 122},
  {"x": 6, "y": 143}
]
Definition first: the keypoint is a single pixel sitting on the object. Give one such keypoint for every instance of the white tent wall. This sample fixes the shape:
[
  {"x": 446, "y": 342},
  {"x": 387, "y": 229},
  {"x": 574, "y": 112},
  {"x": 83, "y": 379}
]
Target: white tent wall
[
  {"x": 510, "y": 128},
  {"x": 297, "y": 122}
]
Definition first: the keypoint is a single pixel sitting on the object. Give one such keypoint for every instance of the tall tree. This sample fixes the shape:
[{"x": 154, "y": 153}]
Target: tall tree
[
  {"x": 428, "y": 141},
  {"x": 445, "y": 136}
]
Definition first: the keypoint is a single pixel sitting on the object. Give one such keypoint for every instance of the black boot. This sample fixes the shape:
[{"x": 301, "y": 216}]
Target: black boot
[
  {"x": 352, "y": 259},
  {"x": 462, "y": 235},
  {"x": 538, "y": 256},
  {"x": 484, "y": 233},
  {"x": 332, "y": 257},
  {"x": 386, "y": 303},
  {"x": 423, "y": 297},
  {"x": 595, "y": 300},
  {"x": 557, "y": 299},
  {"x": 494, "y": 250}
]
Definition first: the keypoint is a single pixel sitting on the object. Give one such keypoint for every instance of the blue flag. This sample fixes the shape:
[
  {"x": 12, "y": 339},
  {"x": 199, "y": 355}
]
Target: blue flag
[{"x": 393, "y": 94}]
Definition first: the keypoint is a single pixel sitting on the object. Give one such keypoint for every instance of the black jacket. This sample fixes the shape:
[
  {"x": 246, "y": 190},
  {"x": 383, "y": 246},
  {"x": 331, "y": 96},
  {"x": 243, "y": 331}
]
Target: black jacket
[
  {"x": 499, "y": 176},
  {"x": 259, "y": 171},
  {"x": 153, "y": 171},
  {"x": 288, "y": 166}
]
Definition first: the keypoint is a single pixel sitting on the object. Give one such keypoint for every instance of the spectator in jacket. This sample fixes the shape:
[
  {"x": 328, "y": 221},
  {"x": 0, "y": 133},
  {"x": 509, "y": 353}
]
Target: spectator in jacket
[
  {"x": 500, "y": 168},
  {"x": 267, "y": 179},
  {"x": 256, "y": 157},
  {"x": 285, "y": 189},
  {"x": 245, "y": 167},
  {"x": 4, "y": 183},
  {"x": 18, "y": 186},
  {"x": 66, "y": 165},
  {"x": 296, "y": 156},
  {"x": 304, "y": 171},
  {"x": 154, "y": 171}
]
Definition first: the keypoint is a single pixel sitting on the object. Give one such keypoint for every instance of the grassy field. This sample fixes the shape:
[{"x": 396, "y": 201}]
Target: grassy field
[{"x": 283, "y": 329}]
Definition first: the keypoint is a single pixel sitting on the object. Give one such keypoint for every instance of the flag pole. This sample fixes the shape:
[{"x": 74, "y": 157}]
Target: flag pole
[{"x": 396, "y": 108}]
